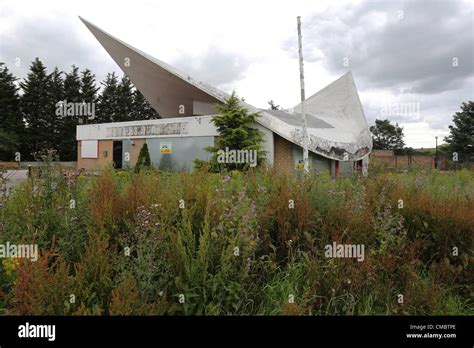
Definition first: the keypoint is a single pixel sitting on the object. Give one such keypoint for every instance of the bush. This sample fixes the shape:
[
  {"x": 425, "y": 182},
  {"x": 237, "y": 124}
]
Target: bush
[{"x": 143, "y": 160}]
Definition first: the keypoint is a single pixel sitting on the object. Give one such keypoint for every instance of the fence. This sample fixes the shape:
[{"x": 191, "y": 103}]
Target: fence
[
  {"x": 25, "y": 165},
  {"x": 444, "y": 161},
  {"x": 9, "y": 165}
]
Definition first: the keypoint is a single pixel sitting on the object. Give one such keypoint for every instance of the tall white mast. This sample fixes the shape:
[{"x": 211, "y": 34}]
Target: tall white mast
[{"x": 303, "y": 112}]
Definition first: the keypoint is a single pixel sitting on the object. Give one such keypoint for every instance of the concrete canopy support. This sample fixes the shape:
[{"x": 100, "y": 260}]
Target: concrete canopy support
[
  {"x": 338, "y": 104},
  {"x": 171, "y": 93}
]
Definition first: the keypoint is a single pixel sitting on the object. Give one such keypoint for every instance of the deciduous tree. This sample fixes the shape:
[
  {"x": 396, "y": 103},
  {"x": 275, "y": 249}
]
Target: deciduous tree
[
  {"x": 461, "y": 138},
  {"x": 387, "y": 136}
]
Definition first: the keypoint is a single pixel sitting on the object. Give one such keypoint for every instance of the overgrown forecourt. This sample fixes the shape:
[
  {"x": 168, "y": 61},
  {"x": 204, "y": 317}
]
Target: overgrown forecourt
[{"x": 155, "y": 242}]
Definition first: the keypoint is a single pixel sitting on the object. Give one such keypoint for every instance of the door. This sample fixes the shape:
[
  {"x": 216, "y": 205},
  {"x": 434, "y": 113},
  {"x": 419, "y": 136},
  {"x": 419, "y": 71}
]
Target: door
[{"x": 117, "y": 155}]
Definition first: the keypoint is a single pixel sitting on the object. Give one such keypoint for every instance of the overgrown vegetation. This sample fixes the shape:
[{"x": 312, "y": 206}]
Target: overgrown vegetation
[
  {"x": 154, "y": 243},
  {"x": 143, "y": 158}
]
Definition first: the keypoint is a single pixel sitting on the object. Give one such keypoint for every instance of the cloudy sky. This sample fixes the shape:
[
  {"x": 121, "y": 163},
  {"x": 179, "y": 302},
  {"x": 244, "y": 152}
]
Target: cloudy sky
[{"x": 412, "y": 61}]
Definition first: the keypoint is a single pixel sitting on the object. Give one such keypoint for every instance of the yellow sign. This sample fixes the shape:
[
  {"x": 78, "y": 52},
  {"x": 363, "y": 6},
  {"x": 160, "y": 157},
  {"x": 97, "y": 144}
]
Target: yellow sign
[
  {"x": 299, "y": 165},
  {"x": 165, "y": 148}
]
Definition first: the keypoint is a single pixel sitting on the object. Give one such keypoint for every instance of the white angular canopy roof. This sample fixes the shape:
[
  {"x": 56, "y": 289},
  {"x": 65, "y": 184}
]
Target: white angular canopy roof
[{"x": 337, "y": 127}]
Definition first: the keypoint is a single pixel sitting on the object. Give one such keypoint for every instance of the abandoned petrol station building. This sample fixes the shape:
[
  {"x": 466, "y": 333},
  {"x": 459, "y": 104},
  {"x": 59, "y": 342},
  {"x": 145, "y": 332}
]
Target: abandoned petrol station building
[{"x": 339, "y": 138}]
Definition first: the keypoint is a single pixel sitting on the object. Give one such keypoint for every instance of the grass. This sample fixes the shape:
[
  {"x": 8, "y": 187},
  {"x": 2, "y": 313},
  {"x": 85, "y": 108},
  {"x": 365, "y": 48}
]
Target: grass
[{"x": 160, "y": 243}]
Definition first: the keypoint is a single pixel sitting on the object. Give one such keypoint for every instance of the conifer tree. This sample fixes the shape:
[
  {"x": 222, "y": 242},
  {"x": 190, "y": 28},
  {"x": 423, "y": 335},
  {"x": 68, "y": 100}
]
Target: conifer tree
[
  {"x": 124, "y": 100},
  {"x": 89, "y": 93},
  {"x": 35, "y": 106},
  {"x": 236, "y": 127},
  {"x": 143, "y": 158},
  {"x": 56, "y": 96},
  {"x": 107, "y": 101},
  {"x": 142, "y": 110},
  {"x": 72, "y": 94},
  {"x": 11, "y": 121}
]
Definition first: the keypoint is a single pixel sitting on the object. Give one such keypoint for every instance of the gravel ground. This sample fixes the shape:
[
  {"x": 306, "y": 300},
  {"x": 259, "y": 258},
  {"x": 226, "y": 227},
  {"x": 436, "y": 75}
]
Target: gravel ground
[{"x": 13, "y": 177}]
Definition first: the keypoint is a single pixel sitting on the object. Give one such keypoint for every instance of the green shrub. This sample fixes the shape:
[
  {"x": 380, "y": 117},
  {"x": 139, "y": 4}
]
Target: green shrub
[{"x": 143, "y": 160}]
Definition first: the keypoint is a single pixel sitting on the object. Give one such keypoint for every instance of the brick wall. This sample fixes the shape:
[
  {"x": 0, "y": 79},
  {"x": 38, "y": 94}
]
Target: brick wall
[
  {"x": 96, "y": 163},
  {"x": 283, "y": 154},
  {"x": 107, "y": 145},
  {"x": 9, "y": 164}
]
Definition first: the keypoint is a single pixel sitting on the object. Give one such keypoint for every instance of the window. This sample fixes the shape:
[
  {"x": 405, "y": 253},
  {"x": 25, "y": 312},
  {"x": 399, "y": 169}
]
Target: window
[{"x": 89, "y": 149}]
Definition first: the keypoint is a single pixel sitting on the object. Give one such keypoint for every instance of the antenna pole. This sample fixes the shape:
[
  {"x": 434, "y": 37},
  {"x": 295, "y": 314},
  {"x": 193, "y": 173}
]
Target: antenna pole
[{"x": 303, "y": 111}]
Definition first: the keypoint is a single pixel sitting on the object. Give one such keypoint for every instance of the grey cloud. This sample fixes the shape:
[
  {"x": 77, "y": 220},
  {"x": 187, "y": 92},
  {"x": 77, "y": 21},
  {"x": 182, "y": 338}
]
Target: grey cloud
[
  {"x": 216, "y": 67},
  {"x": 415, "y": 51},
  {"x": 435, "y": 109},
  {"x": 409, "y": 57},
  {"x": 57, "y": 43},
  {"x": 61, "y": 43}
]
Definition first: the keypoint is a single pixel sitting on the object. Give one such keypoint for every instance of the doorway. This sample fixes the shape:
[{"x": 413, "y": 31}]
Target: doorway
[{"x": 117, "y": 155}]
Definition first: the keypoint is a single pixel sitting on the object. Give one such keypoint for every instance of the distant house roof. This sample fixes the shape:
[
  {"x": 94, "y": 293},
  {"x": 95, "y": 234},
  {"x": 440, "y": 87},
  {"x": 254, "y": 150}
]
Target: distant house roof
[{"x": 336, "y": 123}]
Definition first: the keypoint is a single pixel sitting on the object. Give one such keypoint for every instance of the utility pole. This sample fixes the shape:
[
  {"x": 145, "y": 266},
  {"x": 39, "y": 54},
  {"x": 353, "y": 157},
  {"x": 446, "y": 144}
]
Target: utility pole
[
  {"x": 303, "y": 111},
  {"x": 436, "y": 153}
]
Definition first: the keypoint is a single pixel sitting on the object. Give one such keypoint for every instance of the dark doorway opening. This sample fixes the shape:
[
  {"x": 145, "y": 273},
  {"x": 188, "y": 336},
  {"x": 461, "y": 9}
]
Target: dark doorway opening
[{"x": 117, "y": 156}]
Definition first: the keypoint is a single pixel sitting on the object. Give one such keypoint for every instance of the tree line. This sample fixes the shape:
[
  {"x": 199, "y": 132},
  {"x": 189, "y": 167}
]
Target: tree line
[
  {"x": 36, "y": 113},
  {"x": 387, "y": 136}
]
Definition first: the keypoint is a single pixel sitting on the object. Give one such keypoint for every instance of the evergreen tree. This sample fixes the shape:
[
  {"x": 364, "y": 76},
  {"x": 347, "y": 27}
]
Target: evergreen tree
[
  {"x": 89, "y": 93},
  {"x": 72, "y": 86},
  {"x": 143, "y": 158},
  {"x": 35, "y": 108},
  {"x": 72, "y": 94},
  {"x": 124, "y": 100},
  {"x": 56, "y": 97},
  {"x": 11, "y": 121},
  {"x": 236, "y": 127},
  {"x": 142, "y": 110},
  {"x": 461, "y": 138},
  {"x": 121, "y": 101},
  {"x": 107, "y": 101}
]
